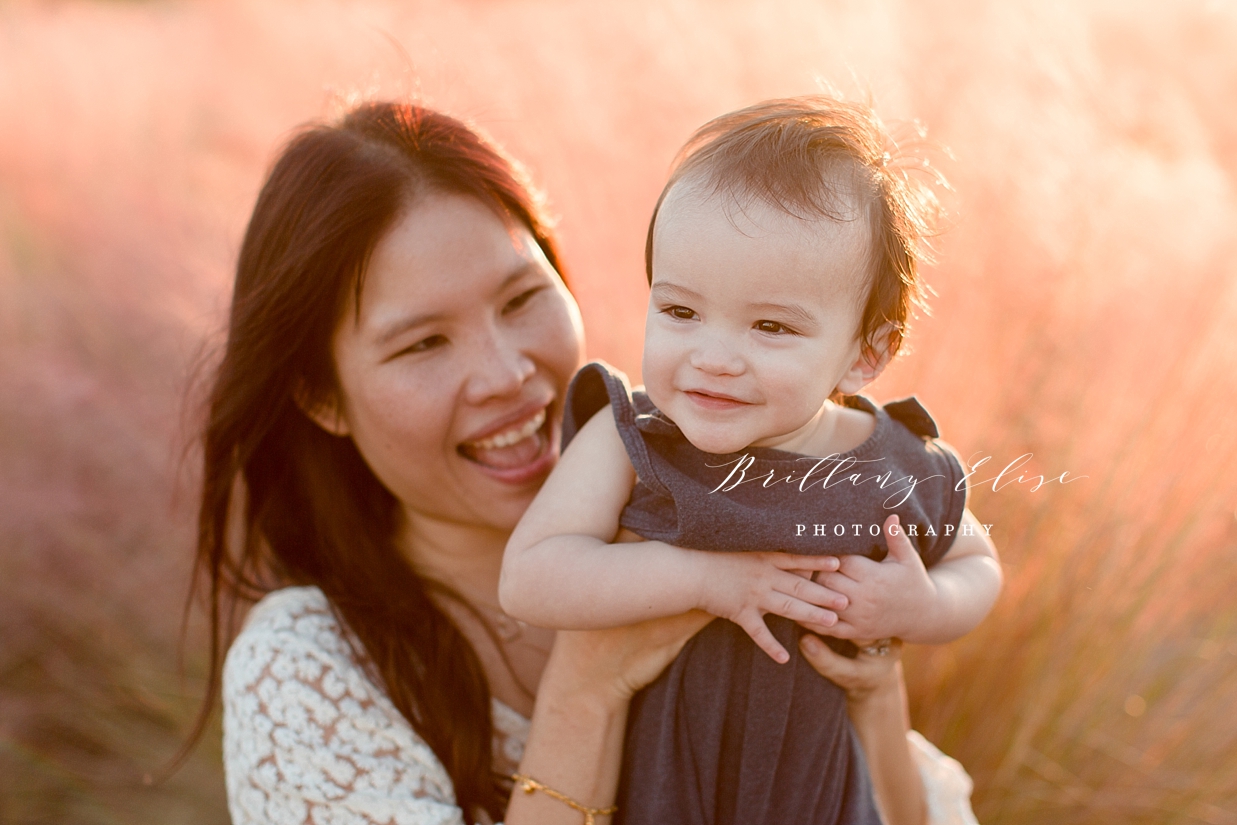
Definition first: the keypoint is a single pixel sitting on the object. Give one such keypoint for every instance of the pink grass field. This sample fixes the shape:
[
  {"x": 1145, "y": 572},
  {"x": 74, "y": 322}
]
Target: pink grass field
[{"x": 1085, "y": 312}]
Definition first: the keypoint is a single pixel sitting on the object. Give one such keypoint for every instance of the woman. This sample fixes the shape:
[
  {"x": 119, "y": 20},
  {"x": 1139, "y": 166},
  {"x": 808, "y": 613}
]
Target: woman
[{"x": 400, "y": 341}]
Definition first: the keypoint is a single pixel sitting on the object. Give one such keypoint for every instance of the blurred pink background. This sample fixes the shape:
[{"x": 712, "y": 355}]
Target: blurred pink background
[{"x": 1085, "y": 308}]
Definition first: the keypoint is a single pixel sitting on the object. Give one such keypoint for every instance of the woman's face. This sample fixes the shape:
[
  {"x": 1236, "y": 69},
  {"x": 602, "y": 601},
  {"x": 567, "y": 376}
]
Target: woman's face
[{"x": 453, "y": 368}]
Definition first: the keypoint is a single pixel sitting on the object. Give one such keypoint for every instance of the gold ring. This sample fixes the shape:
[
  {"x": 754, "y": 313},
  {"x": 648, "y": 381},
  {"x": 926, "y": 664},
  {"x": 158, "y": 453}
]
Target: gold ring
[{"x": 881, "y": 647}]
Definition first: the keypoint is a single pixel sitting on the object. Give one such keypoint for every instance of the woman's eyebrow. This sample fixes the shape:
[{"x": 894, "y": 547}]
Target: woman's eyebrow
[
  {"x": 401, "y": 325},
  {"x": 527, "y": 268}
]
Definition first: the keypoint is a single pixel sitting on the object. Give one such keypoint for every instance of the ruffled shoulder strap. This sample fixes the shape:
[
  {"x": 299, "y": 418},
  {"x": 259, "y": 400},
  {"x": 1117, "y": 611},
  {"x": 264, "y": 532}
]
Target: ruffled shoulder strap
[
  {"x": 912, "y": 415},
  {"x": 594, "y": 386}
]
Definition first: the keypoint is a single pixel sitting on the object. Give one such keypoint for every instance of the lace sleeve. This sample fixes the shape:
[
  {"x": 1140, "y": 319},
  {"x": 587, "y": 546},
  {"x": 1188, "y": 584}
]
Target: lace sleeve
[
  {"x": 309, "y": 740},
  {"x": 947, "y": 786}
]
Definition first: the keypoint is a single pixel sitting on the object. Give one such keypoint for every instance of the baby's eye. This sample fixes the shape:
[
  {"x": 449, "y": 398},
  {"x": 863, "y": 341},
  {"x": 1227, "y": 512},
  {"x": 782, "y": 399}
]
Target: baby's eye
[
  {"x": 521, "y": 299},
  {"x": 773, "y": 327},
  {"x": 425, "y": 344},
  {"x": 682, "y": 313}
]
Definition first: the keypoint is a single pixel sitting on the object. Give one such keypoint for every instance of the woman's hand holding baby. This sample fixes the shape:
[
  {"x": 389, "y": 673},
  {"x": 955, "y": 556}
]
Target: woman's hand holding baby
[{"x": 743, "y": 587}]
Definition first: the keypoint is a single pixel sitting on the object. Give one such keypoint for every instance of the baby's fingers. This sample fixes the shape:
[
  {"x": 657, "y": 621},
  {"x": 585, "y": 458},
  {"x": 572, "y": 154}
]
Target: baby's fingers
[
  {"x": 900, "y": 548},
  {"x": 816, "y": 564},
  {"x": 754, "y": 625},
  {"x": 813, "y": 592},
  {"x": 823, "y": 630},
  {"x": 843, "y": 629},
  {"x": 782, "y": 604}
]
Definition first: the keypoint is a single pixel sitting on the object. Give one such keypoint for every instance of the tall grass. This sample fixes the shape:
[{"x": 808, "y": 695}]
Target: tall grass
[{"x": 1085, "y": 304}]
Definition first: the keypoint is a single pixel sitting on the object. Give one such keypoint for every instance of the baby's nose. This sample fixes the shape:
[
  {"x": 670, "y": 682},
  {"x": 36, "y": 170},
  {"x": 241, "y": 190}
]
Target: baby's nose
[{"x": 717, "y": 357}]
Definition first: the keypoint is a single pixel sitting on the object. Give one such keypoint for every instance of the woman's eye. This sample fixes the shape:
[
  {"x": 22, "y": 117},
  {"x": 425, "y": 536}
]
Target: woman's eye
[
  {"x": 773, "y": 327},
  {"x": 521, "y": 299},
  {"x": 682, "y": 313}
]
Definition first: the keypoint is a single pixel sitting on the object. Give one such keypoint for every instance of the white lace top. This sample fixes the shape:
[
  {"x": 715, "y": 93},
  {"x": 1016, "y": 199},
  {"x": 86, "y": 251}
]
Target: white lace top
[{"x": 308, "y": 739}]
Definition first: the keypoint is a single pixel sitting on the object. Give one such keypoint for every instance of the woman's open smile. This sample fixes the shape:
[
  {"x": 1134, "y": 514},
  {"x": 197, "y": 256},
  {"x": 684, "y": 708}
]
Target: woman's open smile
[
  {"x": 453, "y": 367},
  {"x": 516, "y": 449}
]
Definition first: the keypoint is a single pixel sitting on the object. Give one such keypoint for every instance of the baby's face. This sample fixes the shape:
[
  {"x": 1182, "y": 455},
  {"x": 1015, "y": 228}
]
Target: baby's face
[{"x": 753, "y": 318}]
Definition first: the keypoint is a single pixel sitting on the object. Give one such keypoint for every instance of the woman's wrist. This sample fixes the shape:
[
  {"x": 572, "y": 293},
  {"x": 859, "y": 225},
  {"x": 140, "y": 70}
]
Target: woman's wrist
[
  {"x": 886, "y": 696},
  {"x": 593, "y": 696},
  {"x": 575, "y": 742},
  {"x": 574, "y": 747},
  {"x": 579, "y": 675}
]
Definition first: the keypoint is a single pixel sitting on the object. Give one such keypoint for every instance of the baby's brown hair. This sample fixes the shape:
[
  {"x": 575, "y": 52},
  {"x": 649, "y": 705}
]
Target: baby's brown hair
[{"x": 808, "y": 156}]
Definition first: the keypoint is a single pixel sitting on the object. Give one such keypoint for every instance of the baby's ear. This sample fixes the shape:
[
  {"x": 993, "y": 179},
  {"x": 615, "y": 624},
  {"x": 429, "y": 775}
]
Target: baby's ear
[
  {"x": 868, "y": 365},
  {"x": 326, "y": 413}
]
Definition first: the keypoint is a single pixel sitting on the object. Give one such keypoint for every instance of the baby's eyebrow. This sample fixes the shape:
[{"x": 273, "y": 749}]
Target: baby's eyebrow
[
  {"x": 668, "y": 290},
  {"x": 791, "y": 312}
]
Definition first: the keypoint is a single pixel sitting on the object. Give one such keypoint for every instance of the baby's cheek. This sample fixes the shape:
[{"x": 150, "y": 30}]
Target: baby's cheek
[
  {"x": 800, "y": 392},
  {"x": 657, "y": 369}
]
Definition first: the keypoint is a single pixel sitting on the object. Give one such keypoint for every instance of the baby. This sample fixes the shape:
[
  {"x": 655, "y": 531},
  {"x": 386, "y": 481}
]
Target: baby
[{"x": 782, "y": 263}]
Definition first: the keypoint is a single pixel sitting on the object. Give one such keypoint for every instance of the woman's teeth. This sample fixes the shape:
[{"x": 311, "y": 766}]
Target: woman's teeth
[
  {"x": 512, "y": 436},
  {"x": 511, "y": 449}
]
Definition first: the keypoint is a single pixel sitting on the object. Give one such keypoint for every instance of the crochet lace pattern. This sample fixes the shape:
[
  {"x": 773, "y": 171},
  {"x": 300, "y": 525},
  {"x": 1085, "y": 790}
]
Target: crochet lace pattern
[{"x": 308, "y": 738}]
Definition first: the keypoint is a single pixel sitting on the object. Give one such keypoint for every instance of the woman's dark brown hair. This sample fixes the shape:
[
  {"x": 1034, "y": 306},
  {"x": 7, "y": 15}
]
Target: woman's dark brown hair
[{"x": 286, "y": 503}]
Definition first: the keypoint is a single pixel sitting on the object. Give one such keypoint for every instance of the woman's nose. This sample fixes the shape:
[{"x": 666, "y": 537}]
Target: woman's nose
[{"x": 499, "y": 368}]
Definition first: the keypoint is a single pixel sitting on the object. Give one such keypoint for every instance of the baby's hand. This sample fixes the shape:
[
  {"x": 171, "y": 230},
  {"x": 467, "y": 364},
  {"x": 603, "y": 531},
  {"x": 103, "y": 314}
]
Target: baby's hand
[
  {"x": 743, "y": 587},
  {"x": 886, "y": 598}
]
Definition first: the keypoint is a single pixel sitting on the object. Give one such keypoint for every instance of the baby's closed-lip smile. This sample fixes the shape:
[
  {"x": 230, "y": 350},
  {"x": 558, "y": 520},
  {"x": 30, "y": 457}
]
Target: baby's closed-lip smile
[{"x": 715, "y": 400}]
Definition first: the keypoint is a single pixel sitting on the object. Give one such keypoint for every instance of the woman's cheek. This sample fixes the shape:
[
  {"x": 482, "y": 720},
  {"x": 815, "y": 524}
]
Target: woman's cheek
[
  {"x": 573, "y": 321},
  {"x": 563, "y": 340},
  {"x": 410, "y": 413}
]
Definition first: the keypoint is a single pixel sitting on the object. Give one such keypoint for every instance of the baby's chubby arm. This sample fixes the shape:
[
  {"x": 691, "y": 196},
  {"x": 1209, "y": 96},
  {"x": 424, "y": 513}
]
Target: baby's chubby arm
[
  {"x": 561, "y": 569},
  {"x": 898, "y": 597}
]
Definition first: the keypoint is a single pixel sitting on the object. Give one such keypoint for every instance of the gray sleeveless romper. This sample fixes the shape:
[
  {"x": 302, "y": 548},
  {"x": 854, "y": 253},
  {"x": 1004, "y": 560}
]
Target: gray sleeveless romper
[{"x": 725, "y": 736}]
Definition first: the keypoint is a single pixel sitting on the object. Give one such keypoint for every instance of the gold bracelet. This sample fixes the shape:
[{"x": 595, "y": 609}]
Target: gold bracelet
[{"x": 529, "y": 785}]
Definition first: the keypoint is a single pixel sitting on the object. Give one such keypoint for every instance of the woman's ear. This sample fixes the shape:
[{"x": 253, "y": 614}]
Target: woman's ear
[
  {"x": 868, "y": 365},
  {"x": 326, "y": 413}
]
